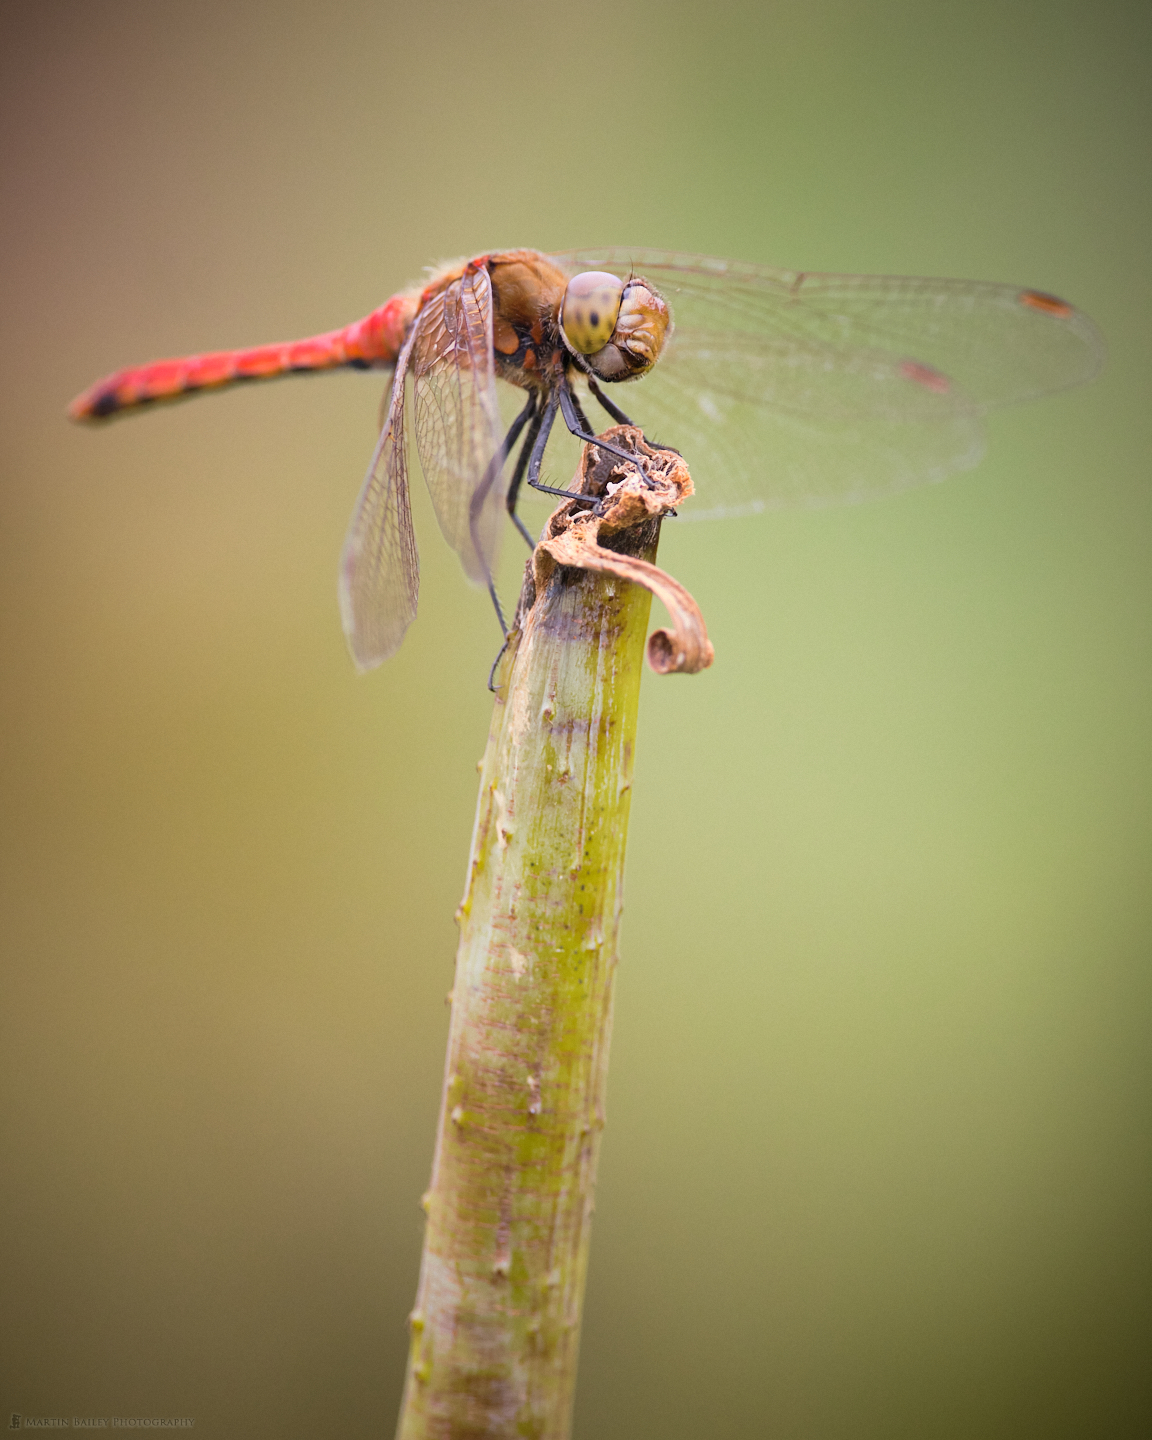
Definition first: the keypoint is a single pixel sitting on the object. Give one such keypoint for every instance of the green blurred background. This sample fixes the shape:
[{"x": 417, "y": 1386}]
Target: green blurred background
[{"x": 877, "y": 1155}]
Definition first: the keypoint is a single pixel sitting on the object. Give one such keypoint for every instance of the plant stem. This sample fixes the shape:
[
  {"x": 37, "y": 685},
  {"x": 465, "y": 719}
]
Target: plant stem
[{"x": 496, "y": 1324}]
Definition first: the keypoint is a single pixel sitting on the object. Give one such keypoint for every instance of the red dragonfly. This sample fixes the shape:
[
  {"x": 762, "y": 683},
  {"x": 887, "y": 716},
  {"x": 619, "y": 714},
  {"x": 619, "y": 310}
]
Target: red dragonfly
[{"x": 781, "y": 387}]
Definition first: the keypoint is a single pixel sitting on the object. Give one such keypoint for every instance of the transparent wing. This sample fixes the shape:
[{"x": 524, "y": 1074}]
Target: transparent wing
[
  {"x": 860, "y": 437},
  {"x": 785, "y": 388},
  {"x": 457, "y": 419},
  {"x": 379, "y": 567}
]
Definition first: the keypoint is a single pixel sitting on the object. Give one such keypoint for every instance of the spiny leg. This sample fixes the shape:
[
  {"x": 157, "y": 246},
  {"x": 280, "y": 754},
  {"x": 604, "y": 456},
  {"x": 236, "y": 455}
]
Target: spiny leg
[
  {"x": 572, "y": 419},
  {"x": 499, "y": 610},
  {"x": 492, "y": 672},
  {"x": 518, "y": 475},
  {"x": 496, "y": 464},
  {"x": 577, "y": 408},
  {"x": 613, "y": 409},
  {"x": 528, "y": 448},
  {"x": 555, "y": 401},
  {"x": 487, "y": 480},
  {"x": 536, "y": 459},
  {"x": 621, "y": 419}
]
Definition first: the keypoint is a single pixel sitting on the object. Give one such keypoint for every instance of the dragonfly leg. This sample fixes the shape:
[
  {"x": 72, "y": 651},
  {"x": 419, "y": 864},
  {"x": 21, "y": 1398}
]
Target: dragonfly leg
[
  {"x": 517, "y": 425},
  {"x": 492, "y": 672},
  {"x": 499, "y": 612},
  {"x": 569, "y": 410},
  {"x": 619, "y": 416},
  {"x": 488, "y": 479},
  {"x": 578, "y": 409},
  {"x": 614, "y": 410},
  {"x": 536, "y": 459},
  {"x": 496, "y": 464},
  {"x": 518, "y": 473}
]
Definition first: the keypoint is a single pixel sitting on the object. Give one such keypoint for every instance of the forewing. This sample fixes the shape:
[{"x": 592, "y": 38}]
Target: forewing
[
  {"x": 457, "y": 419},
  {"x": 379, "y": 567},
  {"x": 784, "y": 388},
  {"x": 766, "y": 427}
]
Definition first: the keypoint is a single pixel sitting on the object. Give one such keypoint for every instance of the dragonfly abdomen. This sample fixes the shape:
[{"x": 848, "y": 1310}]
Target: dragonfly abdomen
[{"x": 373, "y": 341}]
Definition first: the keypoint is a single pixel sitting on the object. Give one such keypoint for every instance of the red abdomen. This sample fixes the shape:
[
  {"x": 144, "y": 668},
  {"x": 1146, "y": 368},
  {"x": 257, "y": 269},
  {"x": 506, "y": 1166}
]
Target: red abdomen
[{"x": 374, "y": 341}]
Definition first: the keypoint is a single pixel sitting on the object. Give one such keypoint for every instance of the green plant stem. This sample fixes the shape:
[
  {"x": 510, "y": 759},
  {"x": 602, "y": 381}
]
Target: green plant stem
[{"x": 496, "y": 1324}]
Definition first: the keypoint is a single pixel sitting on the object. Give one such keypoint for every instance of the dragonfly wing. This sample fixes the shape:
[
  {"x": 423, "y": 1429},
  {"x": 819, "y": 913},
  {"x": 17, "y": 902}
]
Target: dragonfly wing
[
  {"x": 379, "y": 567},
  {"x": 457, "y": 417},
  {"x": 768, "y": 427},
  {"x": 997, "y": 343},
  {"x": 786, "y": 388}
]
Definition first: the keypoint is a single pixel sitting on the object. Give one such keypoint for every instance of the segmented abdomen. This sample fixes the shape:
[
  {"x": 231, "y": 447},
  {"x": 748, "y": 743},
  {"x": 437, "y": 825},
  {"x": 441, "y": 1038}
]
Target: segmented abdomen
[{"x": 376, "y": 340}]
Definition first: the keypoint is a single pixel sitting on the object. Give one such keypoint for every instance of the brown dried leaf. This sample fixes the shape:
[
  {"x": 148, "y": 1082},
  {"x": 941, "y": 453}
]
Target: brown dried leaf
[{"x": 629, "y": 497}]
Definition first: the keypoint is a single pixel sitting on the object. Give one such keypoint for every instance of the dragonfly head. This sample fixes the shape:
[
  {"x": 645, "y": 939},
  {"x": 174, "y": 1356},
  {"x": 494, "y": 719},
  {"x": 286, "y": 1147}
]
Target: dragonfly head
[{"x": 613, "y": 328}]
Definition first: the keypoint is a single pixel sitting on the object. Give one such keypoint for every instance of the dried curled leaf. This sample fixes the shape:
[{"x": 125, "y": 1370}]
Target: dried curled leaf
[{"x": 628, "y": 496}]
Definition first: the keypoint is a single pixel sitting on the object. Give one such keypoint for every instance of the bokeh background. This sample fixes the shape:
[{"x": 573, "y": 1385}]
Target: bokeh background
[{"x": 877, "y": 1155}]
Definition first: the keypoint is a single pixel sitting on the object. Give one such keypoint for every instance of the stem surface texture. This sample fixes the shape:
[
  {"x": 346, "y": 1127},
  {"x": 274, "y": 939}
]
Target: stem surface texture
[{"x": 496, "y": 1324}]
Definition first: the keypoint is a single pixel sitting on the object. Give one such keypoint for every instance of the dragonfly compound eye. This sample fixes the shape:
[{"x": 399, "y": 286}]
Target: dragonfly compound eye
[
  {"x": 588, "y": 314},
  {"x": 640, "y": 325}
]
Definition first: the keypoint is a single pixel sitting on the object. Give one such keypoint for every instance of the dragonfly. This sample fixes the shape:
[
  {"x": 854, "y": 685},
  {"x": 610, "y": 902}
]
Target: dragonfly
[{"x": 783, "y": 388}]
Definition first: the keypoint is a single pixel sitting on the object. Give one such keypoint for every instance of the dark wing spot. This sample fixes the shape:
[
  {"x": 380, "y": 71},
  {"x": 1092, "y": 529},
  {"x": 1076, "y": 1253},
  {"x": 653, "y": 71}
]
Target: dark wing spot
[{"x": 595, "y": 318}]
